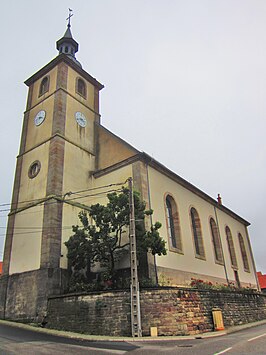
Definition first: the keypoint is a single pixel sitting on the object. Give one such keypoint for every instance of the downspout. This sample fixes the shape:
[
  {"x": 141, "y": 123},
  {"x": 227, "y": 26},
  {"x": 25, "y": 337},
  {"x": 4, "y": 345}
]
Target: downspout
[
  {"x": 252, "y": 259},
  {"x": 218, "y": 228}
]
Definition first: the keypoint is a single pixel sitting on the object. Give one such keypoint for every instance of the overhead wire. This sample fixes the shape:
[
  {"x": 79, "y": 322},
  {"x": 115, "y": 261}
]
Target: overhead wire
[
  {"x": 66, "y": 200},
  {"x": 67, "y": 193},
  {"x": 40, "y": 229}
]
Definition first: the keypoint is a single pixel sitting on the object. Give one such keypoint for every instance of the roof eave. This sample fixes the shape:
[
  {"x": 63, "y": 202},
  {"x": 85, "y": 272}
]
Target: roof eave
[
  {"x": 63, "y": 58},
  {"x": 164, "y": 170}
]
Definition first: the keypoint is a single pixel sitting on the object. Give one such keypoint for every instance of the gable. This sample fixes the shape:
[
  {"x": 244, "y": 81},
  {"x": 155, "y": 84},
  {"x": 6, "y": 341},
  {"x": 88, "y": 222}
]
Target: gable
[{"x": 111, "y": 149}]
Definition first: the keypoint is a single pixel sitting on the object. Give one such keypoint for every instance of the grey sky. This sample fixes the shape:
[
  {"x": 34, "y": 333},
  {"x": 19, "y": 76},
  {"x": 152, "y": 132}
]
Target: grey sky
[{"x": 185, "y": 81}]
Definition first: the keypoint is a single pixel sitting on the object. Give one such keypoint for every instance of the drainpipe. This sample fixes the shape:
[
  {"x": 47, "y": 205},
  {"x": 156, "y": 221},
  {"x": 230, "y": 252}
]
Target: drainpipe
[
  {"x": 218, "y": 228},
  {"x": 252, "y": 259}
]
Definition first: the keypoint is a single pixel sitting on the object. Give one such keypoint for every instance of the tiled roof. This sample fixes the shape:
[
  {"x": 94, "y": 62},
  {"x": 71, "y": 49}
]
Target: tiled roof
[{"x": 262, "y": 280}]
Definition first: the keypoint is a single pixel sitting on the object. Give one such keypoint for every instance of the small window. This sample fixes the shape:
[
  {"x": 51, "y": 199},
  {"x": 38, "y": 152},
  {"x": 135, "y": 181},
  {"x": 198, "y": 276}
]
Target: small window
[
  {"x": 231, "y": 247},
  {"x": 81, "y": 87},
  {"x": 197, "y": 234},
  {"x": 216, "y": 242},
  {"x": 243, "y": 252},
  {"x": 66, "y": 49},
  {"x": 44, "y": 87},
  {"x": 34, "y": 169},
  {"x": 173, "y": 224}
]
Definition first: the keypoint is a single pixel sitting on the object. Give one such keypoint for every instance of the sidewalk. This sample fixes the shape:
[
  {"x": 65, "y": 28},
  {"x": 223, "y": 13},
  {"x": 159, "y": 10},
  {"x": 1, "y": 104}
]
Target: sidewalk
[{"x": 79, "y": 336}]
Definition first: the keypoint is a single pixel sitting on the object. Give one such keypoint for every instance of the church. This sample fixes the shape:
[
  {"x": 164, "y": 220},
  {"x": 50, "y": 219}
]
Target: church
[{"x": 67, "y": 161}]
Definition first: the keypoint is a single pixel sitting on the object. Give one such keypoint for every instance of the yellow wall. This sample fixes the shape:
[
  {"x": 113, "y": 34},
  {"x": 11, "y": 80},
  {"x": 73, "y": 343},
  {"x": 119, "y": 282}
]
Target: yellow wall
[
  {"x": 70, "y": 218},
  {"x": 34, "y": 188},
  {"x": 38, "y": 134},
  {"x": 161, "y": 185},
  {"x": 82, "y": 136},
  {"x": 71, "y": 88},
  {"x": 112, "y": 149},
  {"x": 26, "y": 247},
  {"x": 70, "y": 214},
  {"x": 78, "y": 164},
  {"x": 36, "y": 87}
]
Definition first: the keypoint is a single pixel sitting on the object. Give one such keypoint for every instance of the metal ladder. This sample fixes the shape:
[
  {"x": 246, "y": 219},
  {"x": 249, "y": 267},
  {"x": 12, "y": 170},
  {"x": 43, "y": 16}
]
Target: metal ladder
[{"x": 135, "y": 298}]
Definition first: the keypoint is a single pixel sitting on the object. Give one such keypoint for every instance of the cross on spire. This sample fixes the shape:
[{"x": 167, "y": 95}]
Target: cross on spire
[{"x": 69, "y": 17}]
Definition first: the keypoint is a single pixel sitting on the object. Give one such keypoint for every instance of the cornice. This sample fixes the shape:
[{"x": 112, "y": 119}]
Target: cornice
[
  {"x": 63, "y": 58},
  {"x": 149, "y": 161}
]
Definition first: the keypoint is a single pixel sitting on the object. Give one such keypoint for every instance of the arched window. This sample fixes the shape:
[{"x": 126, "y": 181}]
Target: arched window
[
  {"x": 81, "y": 87},
  {"x": 173, "y": 224},
  {"x": 197, "y": 234},
  {"x": 216, "y": 242},
  {"x": 243, "y": 252},
  {"x": 44, "y": 87},
  {"x": 231, "y": 247}
]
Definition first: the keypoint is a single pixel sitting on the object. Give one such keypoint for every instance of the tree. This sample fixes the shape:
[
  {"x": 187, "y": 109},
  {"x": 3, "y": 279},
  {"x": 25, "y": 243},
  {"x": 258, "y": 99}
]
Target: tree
[{"x": 105, "y": 239}]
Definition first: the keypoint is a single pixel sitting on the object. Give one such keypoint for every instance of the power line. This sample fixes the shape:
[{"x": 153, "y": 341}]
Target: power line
[
  {"x": 66, "y": 200},
  {"x": 68, "y": 193},
  {"x": 35, "y": 231}
]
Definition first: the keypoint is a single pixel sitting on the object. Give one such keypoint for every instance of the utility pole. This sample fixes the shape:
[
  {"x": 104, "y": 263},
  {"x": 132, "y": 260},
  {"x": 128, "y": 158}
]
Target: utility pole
[{"x": 135, "y": 299}]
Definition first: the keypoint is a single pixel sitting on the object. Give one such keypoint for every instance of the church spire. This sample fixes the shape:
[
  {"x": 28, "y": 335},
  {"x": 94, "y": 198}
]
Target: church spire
[{"x": 67, "y": 44}]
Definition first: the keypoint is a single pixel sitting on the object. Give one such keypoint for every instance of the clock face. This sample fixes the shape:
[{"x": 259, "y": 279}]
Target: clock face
[
  {"x": 39, "y": 118},
  {"x": 81, "y": 119}
]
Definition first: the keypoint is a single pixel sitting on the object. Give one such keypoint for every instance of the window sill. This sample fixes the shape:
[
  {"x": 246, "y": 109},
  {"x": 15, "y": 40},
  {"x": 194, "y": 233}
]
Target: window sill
[
  {"x": 219, "y": 262},
  {"x": 200, "y": 257},
  {"x": 175, "y": 250}
]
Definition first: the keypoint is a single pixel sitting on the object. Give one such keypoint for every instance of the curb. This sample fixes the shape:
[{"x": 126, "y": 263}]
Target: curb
[{"x": 78, "y": 336}]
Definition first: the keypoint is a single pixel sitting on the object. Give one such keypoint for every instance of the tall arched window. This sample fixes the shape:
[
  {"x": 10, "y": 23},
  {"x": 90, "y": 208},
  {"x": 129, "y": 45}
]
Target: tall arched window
[
  {"x": 243, "y": 252},
  {"x": 44, "y": 87},
  {"x": 81, "y": 87},
  {"x": 173, "y": 225},
  {"x": 216, "y": 242},
  {"x": 231, "y": 247},
  {"x": 197, "y": 234}
]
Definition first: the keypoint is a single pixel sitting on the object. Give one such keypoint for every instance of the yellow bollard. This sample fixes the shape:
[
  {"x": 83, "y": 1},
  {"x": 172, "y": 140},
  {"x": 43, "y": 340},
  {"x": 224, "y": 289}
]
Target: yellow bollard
[
  {"x": 217, "y": 319},
  {"x": 154, "y": 331}
]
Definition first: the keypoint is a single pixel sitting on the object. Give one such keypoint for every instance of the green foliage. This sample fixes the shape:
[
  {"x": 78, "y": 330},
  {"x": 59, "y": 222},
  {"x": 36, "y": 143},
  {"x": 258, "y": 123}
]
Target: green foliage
[
  {"x": 201, "y": 284},
  {"x": 103, "y": 238},
  {"x": 146, "y": 283}
]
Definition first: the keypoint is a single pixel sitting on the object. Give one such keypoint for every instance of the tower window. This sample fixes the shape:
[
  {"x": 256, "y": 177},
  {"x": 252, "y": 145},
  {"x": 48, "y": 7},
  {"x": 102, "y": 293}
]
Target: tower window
[
  {"x": 197, "y": 234},
  {"x": 81, "y": 87},
  {"x": 231, "y": 247},
  {"x": 216, "y": 242},
  {"x": 44, "y": 87},
  {"x": 173, "y": 225},
  {"x": 243, "y": 252},
  {"x": 34, "y": 169},
  {"x": 66, "y": 49}
]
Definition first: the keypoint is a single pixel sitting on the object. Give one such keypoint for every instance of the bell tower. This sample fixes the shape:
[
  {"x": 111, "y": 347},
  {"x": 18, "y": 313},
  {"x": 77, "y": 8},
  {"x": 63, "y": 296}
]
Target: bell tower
[{"x": 57, "y": 155}]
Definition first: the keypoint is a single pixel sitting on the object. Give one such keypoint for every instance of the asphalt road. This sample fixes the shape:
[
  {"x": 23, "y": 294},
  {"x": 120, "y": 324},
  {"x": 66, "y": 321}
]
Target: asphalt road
[{"x": 15, "y": 340}]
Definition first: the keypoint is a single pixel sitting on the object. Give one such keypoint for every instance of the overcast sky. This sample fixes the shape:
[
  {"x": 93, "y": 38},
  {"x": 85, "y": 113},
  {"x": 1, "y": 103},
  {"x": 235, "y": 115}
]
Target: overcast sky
[{"x": 185, "y": 81}]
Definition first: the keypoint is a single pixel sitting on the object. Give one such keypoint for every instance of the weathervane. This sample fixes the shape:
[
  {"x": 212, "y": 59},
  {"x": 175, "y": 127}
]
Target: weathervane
[{"x": 69, "y": 17}]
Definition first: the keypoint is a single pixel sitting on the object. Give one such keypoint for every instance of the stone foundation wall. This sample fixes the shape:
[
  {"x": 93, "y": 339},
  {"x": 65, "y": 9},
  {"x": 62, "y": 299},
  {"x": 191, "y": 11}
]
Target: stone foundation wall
[
  {"x": 105, "y": 313},
  {"x": 174, "y": 311},
  {"x": 23, "y": 297}
]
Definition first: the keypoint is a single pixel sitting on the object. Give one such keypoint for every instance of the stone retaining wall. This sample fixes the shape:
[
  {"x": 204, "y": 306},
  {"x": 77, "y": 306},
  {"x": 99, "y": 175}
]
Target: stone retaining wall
[{"x": 174, "y": 311}]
